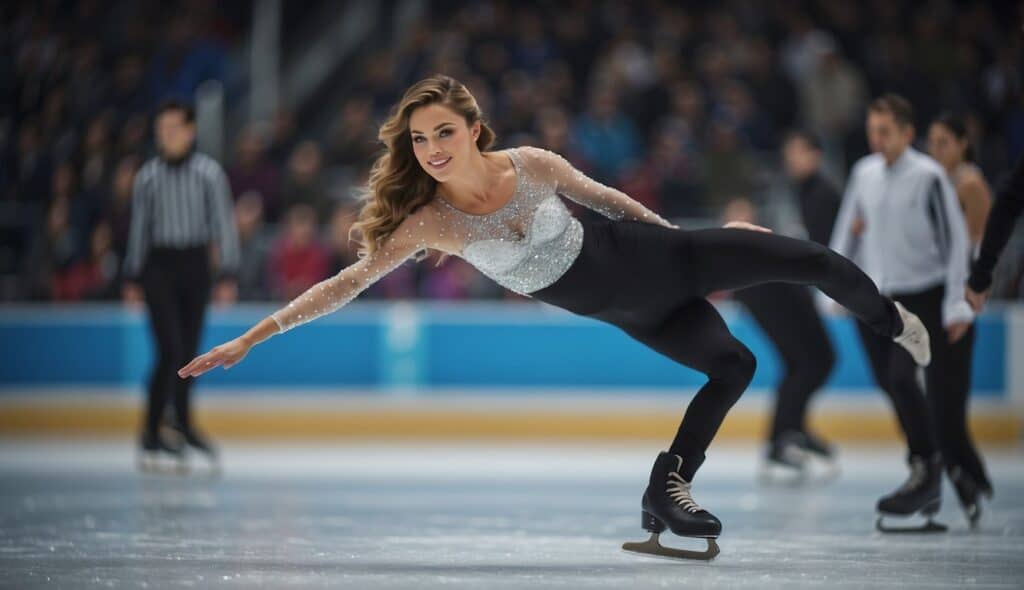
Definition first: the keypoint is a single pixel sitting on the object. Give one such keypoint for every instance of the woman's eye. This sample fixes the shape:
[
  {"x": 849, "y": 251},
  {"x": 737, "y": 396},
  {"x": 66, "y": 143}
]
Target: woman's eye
[
  {"x": 446, "y": 132},
  {"x": 418, "y": 139}
]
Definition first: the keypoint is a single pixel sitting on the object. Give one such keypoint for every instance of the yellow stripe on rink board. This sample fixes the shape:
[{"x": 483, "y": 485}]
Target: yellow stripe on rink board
[{"x": 989, "y": 427}]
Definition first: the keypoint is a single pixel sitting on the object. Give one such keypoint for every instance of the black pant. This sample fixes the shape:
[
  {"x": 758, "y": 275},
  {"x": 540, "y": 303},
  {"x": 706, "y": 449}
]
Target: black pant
[
  {"x": 651, "y": 281},
  {"x": 177, "y": 287},
  {"x": 787, "y": 315},
  {"x": 938, "y": 420}
]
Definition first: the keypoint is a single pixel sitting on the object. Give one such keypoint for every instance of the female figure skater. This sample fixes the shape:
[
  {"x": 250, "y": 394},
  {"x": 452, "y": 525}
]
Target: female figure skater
[
  {"x": 436, "y": 187},
  {"x": 948, "y": 144}
]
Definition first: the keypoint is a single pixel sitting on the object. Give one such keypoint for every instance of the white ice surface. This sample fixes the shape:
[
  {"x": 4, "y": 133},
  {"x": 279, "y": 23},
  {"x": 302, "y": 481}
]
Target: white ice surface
[{"x": 75, "y": 514}]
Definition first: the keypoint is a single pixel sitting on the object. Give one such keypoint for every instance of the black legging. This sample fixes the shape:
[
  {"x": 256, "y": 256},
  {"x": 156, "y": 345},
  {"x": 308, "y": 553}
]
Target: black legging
[
  {"x": 651, "y": 281},
  {"x": 787, "y": 315},
  {"x": 177, "y": 288},
  {"x": 947, "y": 383}
]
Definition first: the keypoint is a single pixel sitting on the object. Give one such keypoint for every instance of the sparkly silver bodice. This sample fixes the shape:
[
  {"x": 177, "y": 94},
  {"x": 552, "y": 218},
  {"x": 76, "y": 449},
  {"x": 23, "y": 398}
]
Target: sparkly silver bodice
[
  {"x": 524, "y": 246},
  {"x": 527, "y": 244}
]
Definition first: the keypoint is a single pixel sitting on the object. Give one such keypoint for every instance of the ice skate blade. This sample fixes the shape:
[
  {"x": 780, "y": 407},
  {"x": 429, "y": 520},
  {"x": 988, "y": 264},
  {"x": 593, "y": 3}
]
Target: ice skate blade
[
  {"x": 654, "y": 548},
  {"x": 152, "y": 463},
  {"x": 774, "y": 475},
  {"x": 928, "y": 527}
]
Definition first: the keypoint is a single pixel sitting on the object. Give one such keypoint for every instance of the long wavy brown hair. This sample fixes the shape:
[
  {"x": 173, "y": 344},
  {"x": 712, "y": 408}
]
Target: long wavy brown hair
[{"x": 398, "y": 185}]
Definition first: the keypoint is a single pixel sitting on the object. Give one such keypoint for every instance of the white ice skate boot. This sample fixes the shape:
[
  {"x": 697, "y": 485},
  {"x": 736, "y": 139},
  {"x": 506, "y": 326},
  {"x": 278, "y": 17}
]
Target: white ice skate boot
[{"x": 914, "y": 336}]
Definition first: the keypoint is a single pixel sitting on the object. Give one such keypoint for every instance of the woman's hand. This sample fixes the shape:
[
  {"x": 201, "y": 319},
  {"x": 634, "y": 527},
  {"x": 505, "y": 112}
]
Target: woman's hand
[
  {"x": 227, "y": 355},
  {"x": 745, "y": 225}
]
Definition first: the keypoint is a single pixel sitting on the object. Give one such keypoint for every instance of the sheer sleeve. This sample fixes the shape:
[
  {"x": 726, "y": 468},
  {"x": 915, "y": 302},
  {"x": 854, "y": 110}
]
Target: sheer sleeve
[
  {"x": 586, "y": 191},
  {"x": 416, "y": 233}
]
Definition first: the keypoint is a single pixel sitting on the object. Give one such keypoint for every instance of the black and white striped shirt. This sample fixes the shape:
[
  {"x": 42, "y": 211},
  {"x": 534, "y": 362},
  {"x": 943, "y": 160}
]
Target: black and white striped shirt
[{"x": 181, "y": 205}]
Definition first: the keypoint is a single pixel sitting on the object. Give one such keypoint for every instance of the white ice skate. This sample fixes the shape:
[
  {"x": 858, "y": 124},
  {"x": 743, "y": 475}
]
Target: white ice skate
[{"x": 914, "y": 336}]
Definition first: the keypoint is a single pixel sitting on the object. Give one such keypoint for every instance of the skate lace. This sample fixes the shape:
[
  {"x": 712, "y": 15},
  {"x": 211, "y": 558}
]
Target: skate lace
[
  {"x": 679, "y": 491},
  {"x": 910, "y": 336}
]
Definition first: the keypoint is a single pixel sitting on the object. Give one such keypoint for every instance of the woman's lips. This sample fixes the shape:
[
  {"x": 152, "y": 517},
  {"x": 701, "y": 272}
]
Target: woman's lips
[{"x": 438, "y": 163}]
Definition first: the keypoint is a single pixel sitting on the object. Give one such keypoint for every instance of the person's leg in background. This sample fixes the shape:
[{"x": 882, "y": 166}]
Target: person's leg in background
[
  {"x": 922, "y": 492},
  {"x": 163, "y": 309},
  {"x": 788, "y": 317},
  {"x": 948, "y": 383},
  {"x": 193, "y": 296}
]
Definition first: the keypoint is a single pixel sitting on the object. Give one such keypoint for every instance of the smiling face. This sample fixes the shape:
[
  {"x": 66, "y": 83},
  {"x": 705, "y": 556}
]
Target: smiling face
[{"x": 442, "y": 140}]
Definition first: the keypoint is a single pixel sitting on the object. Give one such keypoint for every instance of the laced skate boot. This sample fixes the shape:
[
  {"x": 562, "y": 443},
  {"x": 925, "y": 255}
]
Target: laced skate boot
[
  {"x": 668, "y": 503},
  {"x": 914, "y": 336},
  {"x": 920, "y": 494}
]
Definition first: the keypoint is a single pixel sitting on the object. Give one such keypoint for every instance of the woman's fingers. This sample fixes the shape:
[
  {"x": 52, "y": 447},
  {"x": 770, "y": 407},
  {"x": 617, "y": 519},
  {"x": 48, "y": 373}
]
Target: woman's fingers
[
  {"x": 201, "y": 364},
  {"x": 226, "y": 355}
]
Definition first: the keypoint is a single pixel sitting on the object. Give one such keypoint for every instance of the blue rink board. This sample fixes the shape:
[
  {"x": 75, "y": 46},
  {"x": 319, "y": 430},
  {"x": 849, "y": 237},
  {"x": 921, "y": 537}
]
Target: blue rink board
[{"x": 475, "y": 346}]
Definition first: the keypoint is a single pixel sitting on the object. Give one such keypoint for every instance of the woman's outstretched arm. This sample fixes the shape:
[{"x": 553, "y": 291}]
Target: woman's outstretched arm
[{"x": 416, "y": 233}]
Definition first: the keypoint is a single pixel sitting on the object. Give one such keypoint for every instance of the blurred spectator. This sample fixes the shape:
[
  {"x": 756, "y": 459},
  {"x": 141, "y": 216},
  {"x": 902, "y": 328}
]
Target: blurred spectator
[
  {"x": 118, "y": 206},
  {"x": 606, "y": 138},
  {"x": 254, "y": 242},
  {"x": 128, "y": 94},
  {"x": 834, "y": 94},
  {"x": 304, "y": 182},
  {"x": 728, "y": 170},
  {"x": 298, "y": 260},
  {"x": 32, "y": 165},
  {"x": 517, "y": 103},
  {"x": 282, "y": 137},
  {"x": 553, "y": 133},
  {"x": 666, "y": 180},
  {"x": 93, "y": 277},
  {"x": 133, "y": 135},
  {"x": 771, "y": 88},
  {"x": 82, "y": 211},
  {"x": 253, "y": 172},
  {"x": 185, "y": 61},
  {"x": 353, "y": 138},
  {"x": 54, "y": 250},
  {"x": 97, "y": 154}
]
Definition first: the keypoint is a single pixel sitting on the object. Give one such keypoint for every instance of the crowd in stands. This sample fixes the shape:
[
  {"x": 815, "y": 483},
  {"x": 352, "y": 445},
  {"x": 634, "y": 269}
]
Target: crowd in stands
[{"x": 682, "y": 106}]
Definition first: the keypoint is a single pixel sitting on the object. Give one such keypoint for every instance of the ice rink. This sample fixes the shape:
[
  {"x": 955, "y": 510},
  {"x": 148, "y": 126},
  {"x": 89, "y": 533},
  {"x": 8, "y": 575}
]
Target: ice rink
[{"x": 362, "y": 515}]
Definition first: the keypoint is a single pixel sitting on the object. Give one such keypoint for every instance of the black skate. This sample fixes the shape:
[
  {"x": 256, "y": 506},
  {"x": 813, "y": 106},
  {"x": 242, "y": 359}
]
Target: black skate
[
  {"x": 796, "y": 458},
  {"x": 920, "y": 494},
  {"x": 969, "y": 491},
  {"x": 195, "y": 444},
  {"x": 667, "y": 503},
  {"x": 156, "y": 455}
]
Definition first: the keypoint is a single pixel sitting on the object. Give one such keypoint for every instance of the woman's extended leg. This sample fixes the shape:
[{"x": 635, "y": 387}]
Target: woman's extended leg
[{"x": 735, "y": 258}]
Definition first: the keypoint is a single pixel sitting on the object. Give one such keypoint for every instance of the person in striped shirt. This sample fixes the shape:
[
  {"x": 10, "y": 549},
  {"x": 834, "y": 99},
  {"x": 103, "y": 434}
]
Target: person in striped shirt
[{"x": 181, "y": 205}]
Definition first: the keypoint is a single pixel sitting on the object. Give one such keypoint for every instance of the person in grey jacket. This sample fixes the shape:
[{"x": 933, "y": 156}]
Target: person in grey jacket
[{"x": 901, "y": 222}]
